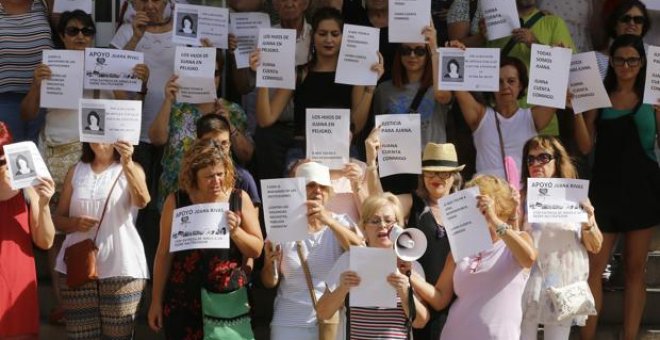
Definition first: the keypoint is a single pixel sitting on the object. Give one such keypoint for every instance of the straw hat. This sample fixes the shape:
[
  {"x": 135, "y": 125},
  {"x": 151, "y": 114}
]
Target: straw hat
[
  {"x": 440, "y": 157},
  {"x": 314, "y": 172}
]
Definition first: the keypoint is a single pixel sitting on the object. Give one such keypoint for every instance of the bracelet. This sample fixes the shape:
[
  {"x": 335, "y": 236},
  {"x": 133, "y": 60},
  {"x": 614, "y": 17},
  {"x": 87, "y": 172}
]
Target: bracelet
[{"x": 501, "y": 229}]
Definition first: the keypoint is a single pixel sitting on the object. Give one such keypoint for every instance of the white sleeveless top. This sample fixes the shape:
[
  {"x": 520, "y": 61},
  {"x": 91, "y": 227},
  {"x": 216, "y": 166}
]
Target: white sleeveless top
[
  {"x": 120, "y": 248},
  {"x": 516, "y": 130}
]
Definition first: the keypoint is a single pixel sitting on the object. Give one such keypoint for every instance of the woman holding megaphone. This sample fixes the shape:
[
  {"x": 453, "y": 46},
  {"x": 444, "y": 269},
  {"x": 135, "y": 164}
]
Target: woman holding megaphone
[{"x": 380, "y": 216}]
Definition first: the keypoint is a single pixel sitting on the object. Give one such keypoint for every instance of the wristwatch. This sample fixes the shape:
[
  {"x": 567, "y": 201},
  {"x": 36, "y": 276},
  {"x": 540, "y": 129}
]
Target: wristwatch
[{"x": 501, "y": 229}]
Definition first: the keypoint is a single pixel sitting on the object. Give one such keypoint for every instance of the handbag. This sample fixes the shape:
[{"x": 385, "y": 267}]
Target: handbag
[
  {"x": 80, "y": 257},
  {"x": 327, "y": 328},
  {"x": 571, "y": 300}
]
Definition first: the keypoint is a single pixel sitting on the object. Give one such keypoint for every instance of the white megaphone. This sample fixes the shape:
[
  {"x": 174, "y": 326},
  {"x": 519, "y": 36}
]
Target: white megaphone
[{"x": 409, "y": 244}]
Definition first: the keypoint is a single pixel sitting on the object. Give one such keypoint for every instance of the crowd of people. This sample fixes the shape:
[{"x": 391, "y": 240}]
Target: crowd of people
[{"x": 123, "y": 196}]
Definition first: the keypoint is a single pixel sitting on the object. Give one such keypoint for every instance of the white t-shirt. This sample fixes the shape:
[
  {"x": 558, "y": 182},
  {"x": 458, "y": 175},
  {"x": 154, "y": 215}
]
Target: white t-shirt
[
  {"x": 293, "y": 305},
  {"x": 121, "y": 252},
  {"x": 516, "y": 131},
  {"x": 158, "y": 50}
]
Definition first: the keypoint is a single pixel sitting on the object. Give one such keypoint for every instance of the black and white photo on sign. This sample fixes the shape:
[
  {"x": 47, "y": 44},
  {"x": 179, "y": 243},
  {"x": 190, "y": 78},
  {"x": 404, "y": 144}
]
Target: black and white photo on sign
[
  {"x": 22, "y": 163},
  {"x": 93, "y": 121},
  {"x": 187, "y": 25},
  {"x": 453, "y": 68}
]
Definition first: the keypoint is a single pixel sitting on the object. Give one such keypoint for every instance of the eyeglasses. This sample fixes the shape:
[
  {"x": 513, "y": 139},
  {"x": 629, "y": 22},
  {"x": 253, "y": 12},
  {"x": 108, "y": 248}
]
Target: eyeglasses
[
  {"x": 417, "y": 51},
  {"x": 637, "y": 19},
  {"x": 542, "y": 158},
  {"x": 631, "y": 62},
  {"x": 73, "y": 31},
  {"x": 443, "y": 175},
  {"x": 379, "y": 222}
]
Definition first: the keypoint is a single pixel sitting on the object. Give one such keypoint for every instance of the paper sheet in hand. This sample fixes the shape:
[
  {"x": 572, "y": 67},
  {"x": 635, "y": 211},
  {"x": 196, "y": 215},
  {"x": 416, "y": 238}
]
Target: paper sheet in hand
[
  {"x": 548, "y": 76},
  {"x": 193, "y": 23},
  {"x": 466, "y": 227},
  {"x": 652, "y": 84},
  {"x": 61, "y": 6},
  {"x": 373, "y": 265},
  {"x": 110, "y": 69},
  {"x": 652, "y": 5},
  {"x": 556, "y": 200},
  {"x": 245, "y": 27},
  {"x": 200, "y": 226},
  {"x": 407, "y": 19},
  {"x": 278, "y": 59},
  {"x": 400, "y": 144},
  {"x": 195, "y": 67},
  {"x": 358, "y": 53},
  {"x": 328, "y": 136},
  {"x": 24, "y": 164},
  {"x": 501, "y": 17},
  {"x": 107, "y": 121},
  {"x": 65, "y": 86},
  {"x": 285, "y": 212},
  {"x": 475, "y": 69},
  {"x": 585, "y": 85}
]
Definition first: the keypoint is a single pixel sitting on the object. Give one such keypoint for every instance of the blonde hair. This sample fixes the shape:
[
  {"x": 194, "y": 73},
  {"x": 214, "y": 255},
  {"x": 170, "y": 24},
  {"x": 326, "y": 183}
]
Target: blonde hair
[
  {"x": 500, "y": 191},
  {"x": 375, "y": 202},
  {"x": 203, "y": 154}
]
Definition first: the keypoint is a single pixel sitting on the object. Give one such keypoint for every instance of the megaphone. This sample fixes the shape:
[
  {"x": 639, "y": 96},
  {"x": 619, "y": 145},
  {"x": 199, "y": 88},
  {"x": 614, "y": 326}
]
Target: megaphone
[{"x": 409, "y": 244}]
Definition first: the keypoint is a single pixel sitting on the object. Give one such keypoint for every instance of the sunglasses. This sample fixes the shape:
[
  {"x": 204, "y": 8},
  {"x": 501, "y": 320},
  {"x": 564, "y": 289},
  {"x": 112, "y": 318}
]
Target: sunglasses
[
  {"x": 73, "y": 31},
  {"x": 444, "y": 175},
  {"x": 631, "y": 62},
  {"x": 637, "y": 19},
  {"x": 542, "y": 158},
  {"x": 417, "y": 51}
]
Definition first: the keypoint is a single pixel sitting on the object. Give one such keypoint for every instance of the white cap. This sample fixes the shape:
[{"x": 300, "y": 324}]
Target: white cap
[{"x": 314, "y": 172}]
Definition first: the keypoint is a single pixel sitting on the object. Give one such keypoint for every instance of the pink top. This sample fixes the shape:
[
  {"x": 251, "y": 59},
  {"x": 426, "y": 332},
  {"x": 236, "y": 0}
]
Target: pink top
[{"x": 489, "y": 287}]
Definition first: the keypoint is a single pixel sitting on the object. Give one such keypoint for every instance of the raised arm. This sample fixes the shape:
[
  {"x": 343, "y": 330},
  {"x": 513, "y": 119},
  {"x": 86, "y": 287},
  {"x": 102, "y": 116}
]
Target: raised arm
[
  {"x": 41, "y": 222},
  {"x": 268, "y": 109},
  {"x": 362, "y": 97},
  {"x": 139, "y": 25},
  {"x": 32, "y": 100},
  {"x": 159, "y": 129},
  {"x": 473, "y": 111},
  {"x": 442, "y": 97},
  {"x": 137, "y": 183},
  {"x": 542, "y": 116},
  {"x": 243, "y": 79},
  {"x": 585, "y": 130},
  {"x": 440, "y": 295},
  {"x": 332, "y": 301}
]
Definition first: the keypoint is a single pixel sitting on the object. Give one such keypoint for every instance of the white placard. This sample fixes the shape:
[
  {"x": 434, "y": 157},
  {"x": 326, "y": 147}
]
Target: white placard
[
  {"x": 195, "y": 67},
  {"x": 61, "y": 6},
  {"x": 107, "y": 121},
  {"x": 472, "y": 69},
  {"x": 110, "y": 69},
  {"x": 556, "y": 200},
  {"x": 373, "y": 265},
  {"x": 652, "y": 85},
  {"x": 245, "y": 26},
  {"x": 358, "y": 53},
  {"x": 200, "y": 226},
  {"x": 328, "y": 136},
  {"x": 400, "y": 144},
  {"x": 65, "y": 86},
  {"x": 24, "y": 164},
  {"x": 585, "y": 84},
  {"x": 193, "y": 22},
  {"x": 407, "y": 19},
  {"x": 467, "y": 229},
  {"x": 652, "y": 5},
  {"x": 548, "y": 76},
  {"x": 278, "y": 58},
  {"x": 285, "y": 212},
  {"x": 501, "y": 17}
]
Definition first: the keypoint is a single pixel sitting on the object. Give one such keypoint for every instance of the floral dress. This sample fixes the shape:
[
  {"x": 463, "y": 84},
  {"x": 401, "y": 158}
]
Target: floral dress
[
  {"x": 217, "y": 270},
  {"x": 181, "y": 136},
  {"x": 562, "y": 260}
]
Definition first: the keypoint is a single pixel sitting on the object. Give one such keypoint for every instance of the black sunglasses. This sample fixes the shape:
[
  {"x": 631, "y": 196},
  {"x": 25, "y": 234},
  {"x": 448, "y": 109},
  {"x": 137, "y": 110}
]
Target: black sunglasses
[
  {"x": 542, "y": 158},
  {"x": 418, "y": 51},
  {"x": 73, "y": 31},
  {"x": 637, "y": 19}
]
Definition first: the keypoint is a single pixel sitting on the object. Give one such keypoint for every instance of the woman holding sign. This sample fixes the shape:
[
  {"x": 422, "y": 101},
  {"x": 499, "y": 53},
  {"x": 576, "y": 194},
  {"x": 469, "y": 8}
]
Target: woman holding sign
[
  {"x": 562, "y": 259},
  {"x": 207, "y": 176},
  {"x": 490, "y": 282},
  {"x": 625, "y": 185}
]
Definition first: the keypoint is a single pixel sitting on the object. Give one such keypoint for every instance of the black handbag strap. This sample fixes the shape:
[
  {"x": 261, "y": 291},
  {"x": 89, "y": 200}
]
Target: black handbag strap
[
  {"x": 418, "y": 99},
  {"x": 499, "y": 135},
  {"x": 105, "y": 205},
  {"x": 512, "y": 43}
]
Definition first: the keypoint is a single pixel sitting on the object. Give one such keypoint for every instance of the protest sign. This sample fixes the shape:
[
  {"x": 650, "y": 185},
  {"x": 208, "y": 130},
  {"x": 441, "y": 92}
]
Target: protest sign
[
  {"x": 24, "y": 164},
  {"x": 108, "y": 121},
  {"x": 501, "y": 17},
  {"x": 585, "y": 85},
  {"x": 400, "y": 144},
  {"x": 472, "y": 69},
  {"x": 373, "y": 266},
  {"x": 65, "y": 85},
  {"x": 407, "y": 19},
  {"x": 652, "y": 84},
  {"x": 195, "y": 67},
  {"x": 110, "y": 69},
  {"x": 652, "y": 5},
  {"x": 328, "y": 136},
  {"x": 556, "y": 200},
  {"x": 200, "y": 226},
  {"x": 193, "y": 23},
  {"x": 466, "y": 227},
  {"x": 548, "y": 76},
  {"x": 245, "y": 27},
  {"x": 285, "y": 212},
  {"x": 358, "y": 53},
  {"x": 278, "y": 61},
  {"x": 61, "y": 6}
]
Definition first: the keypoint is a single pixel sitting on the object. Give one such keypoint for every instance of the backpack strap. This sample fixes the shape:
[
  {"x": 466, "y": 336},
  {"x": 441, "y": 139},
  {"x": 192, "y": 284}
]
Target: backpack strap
[{"x": 512, "y": 43}]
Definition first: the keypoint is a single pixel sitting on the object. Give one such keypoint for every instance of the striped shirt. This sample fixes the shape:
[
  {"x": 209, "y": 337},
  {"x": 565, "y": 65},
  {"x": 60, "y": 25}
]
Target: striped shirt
[{"x": 23, "y": 38}]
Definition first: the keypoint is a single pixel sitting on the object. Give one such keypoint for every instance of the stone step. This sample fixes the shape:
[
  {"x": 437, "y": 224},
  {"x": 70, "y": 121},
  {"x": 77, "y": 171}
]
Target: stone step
[
  {"x": 612, "y": 311},
  {"x": 612, "y": 332}
]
